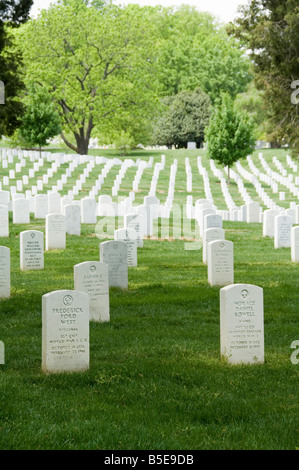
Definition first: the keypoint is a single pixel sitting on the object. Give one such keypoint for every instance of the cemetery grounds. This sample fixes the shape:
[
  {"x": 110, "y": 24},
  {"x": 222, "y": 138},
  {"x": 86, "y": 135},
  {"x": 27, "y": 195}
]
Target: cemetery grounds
[{"x": 156, "y": 379}]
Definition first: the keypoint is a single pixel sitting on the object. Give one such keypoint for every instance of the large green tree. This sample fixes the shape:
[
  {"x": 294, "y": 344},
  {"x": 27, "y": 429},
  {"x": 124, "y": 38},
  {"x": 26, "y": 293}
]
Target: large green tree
[
  {"x": 12, "y": 14},
  {"x": 184, "y": 119},
  {"x": 230, "y": 134},
  {"x": 96, "y": 60},
  {"x": 194, "y": 51},
  {"x": 270, "y": 31},
  {"x": 41, "y": 121}
]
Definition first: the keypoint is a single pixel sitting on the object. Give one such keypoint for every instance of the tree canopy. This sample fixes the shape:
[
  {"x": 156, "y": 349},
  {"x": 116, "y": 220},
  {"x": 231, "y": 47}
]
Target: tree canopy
[
  {"x": 94, "y": 74},
  {"x": 107, "y": 68},
  {"x": 196, "y": 52},
  {"x": 184, "y": 119},
  {"x": 270, "y": 30},
  {"x": 13, "y": 13},
  {"x": 230, "y": 134}
]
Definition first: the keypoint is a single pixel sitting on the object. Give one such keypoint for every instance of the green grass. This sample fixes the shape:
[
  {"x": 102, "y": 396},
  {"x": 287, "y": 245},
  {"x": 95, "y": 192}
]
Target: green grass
[{"x": 156, "y": 380}]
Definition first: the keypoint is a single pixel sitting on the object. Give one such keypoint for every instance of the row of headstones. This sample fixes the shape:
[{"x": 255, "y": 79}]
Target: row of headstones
[
  {"x": 281, "y": 228},
  {"x": 289, "y": 181},
  {"x": 92, "y": 161},
  {"x": 66, "y": 316},
  {"x": 85, "y": 211},
  {"x": 32, "y": 250},
  {"x": 65, "y": 328}
]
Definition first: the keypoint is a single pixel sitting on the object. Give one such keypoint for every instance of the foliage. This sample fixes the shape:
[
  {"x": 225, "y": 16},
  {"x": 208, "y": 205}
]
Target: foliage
[
  {"x": 97, "y": 74},
  {"x": 185, "y": 117},
  {"x": 252, "y": 103},
  {"x": 12, "y": 13},
  {"x": 230, "y": 134},
  {"x": 270, "y": 29},
  {"x": 195, "y": 51},
  {"x": 41, "y": 121}
]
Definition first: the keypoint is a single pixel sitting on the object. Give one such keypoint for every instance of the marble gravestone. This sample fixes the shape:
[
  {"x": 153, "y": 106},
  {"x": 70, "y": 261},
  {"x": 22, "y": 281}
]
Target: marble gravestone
[
  {"x": 20, "y": 211},
  {"x": 41, "y": 206},
  {"x": 55, "y": 232},
  {"x": 65, "y": 331},
  {"x": 4, "y": 221},
  {"x": 282, "y": 231},
  {"x": 268, "y": 222},
  {"x": 253, "y": 212},
  {"x": 242, "y": 324},
  {"x": 31, "y": 250},
  {"x": 88, "y": 211},
  {"x": 134, "y": 221},
  {"x": 220, "y": 263},
  {"x": 295, "y": 244},
  {"x": 2, "y": 353},
  {"x": 129, "y": 236},
  {"x": 114, "y": 254},
  {"x": 72, "y": 219},
  {"x": 210, "y": 235},
  {"x": 4, "y": 272},
  {"x": 91, "y": 277}
]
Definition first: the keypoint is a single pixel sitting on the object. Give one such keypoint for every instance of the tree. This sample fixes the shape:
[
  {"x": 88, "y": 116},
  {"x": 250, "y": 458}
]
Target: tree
[
  {"x": 12, "y": 14},
  {"x": 252, "y": 103},
  {"x": 270, "y": 30},
  {"x": 230, "y": 134},
  {"x": 97, "y": 74},
  {"x": 41, "y": 121},
  {"x": 194, "y": 51},
  {"x": 185, "y": 117}
]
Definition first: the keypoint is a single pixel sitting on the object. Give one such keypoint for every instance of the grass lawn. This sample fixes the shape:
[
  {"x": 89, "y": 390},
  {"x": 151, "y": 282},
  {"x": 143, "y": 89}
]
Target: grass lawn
[{"x": 156, "y": 380}]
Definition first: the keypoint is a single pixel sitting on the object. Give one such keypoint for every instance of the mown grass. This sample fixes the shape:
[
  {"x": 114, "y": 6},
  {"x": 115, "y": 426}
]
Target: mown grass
[{"x": 156, "y": 379}]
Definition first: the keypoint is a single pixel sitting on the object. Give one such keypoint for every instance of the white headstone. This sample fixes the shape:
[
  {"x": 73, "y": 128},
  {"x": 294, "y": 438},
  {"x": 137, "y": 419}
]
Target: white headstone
[
  {"x": 210, "y": 235},
  {"x": 72, "y": 219},
  {"x": 146, "y": 212},
  {"x": 295, "y": 244},
  {"x": 282, "y": 231},
  {"x": 54, "y": 203},
  {"x": 212, "y": 221},
  {"x": 242, "y": 324},
  {"x": 2, "y": 353},
  {"x": 55, "y": 232},
  {"x": 129, "y": 236},
  {"x": 220, "y": 263},
  {"x": 134, "y": 221},
  {"x": 41, "y": 206},
  {"x": 105, "y": 206},
  {"x": 114, "y": 254},
  {"x": 31, "y": 250},
  {"x": 268, "y": 222},
  {"x": 4, "y": 198},
  {"x": 4, "y": 221},
  {"x": 4, "y": 272},
  {"x": 253, "y": 212},
  {"x": 91, "y": 277},
  {"x": 20, "y": 211},
  {"x": 65, "y": 331},
  {"x": 88, "y": 211}
]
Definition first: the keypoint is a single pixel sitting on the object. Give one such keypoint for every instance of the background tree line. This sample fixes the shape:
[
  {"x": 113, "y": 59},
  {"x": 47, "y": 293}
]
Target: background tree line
[{"x": 149, "y": 75}]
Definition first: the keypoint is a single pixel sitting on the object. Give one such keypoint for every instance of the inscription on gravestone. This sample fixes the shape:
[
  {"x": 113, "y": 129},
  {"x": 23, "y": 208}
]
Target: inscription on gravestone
[
  {"x": 65, "y": 331},
  {"x": 4, "y": 272},
  {"x": 91, "y": 277},
  {"x": 242, "y": 323},
  {"x": 31, "y": 250},
  {"x": 114, "y": 254},
  {"x": 220, "y": 263}
]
